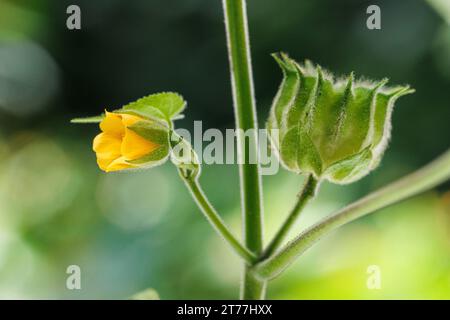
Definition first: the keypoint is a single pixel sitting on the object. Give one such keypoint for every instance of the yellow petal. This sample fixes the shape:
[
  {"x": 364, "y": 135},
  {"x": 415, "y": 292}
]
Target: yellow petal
[
  {"x": 129, "y": 120},
  {"x": 118, "y": 164},
  {"x": 107, "y": 149},
  {"x": 112, "y": 124},
  {"x": 103, "y": 163},
  {"x": 134, "y": 146}
]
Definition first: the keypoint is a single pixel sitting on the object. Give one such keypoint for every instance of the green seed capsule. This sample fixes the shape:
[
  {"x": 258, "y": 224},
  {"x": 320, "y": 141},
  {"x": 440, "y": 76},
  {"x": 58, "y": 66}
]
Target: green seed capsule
[{"x": 335, "y": 130}]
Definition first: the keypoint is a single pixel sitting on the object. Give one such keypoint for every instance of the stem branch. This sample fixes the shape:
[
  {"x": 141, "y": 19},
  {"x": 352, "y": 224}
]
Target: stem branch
[{"x": 431, "y": 175}]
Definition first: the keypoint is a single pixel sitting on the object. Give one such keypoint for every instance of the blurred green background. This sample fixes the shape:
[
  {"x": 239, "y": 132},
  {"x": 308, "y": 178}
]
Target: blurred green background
[{"x": 133, "y": 231}]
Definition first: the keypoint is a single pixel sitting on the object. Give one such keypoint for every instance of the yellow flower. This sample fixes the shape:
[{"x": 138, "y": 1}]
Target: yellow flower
[{"x": 117, "y": 144}]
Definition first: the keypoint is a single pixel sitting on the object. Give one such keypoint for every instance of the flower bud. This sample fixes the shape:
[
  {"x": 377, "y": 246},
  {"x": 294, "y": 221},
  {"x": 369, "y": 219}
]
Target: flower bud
[
  {"x": 334, "y": 129},
  {"x": 136, "y": 135},
  {"x": 130, "y": 142},
  {"x": 184, "y": 157}
]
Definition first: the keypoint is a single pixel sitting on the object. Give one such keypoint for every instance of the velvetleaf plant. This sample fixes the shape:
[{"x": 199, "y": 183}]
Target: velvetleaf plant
[{"x": 328, "y": 129}]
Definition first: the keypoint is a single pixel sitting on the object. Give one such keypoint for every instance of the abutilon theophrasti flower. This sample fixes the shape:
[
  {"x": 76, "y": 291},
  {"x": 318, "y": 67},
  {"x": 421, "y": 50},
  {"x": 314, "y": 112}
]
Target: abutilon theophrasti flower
[
  {"x": 119, "y": 146},
  {"x": 137, "y": 135}
]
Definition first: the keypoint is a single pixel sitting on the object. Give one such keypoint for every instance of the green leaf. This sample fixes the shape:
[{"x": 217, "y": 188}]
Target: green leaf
[
  {"x": 95, "y": 119},
  {"x": 356, "y": 124},
  {"x": 382, "y": 117},
  {"x": 152, "y": 131},
  {"x": 287, "y": 91},
  {"x": 165, "y": 106},
  {"x": 302, "y": 102},
  {"x": 351, "y": 168},
  {"x": 299, "y": 153},
  {"x": 155, "y": 158},
  {"x": 330, "y": 103},
  {"x": 155, "y": 132}
]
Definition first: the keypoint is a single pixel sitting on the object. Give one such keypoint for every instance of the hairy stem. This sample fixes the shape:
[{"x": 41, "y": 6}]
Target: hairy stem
[
  {"x": 436, "y": 172},
  {"x": 246, "y": 121},
  {"x": 216, "y": 221},
  {"x": 308, "y": 192}
]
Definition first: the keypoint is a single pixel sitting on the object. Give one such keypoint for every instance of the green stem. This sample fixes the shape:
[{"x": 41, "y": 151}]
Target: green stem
[
  {"x": 308, "y": 192},
  {"x": 246, "y": 121},
  {"x": 216, "y": 221},
  {"x": 431, "y": 175}
]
